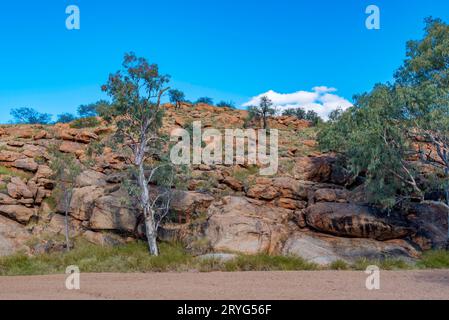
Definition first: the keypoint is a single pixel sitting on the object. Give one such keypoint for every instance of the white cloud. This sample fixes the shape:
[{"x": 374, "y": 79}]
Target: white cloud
[{"x": 320, "y": 99}]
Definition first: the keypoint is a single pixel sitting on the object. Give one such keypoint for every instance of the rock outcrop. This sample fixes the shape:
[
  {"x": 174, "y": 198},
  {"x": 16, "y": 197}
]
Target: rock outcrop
[
  {"x": 244, "y": 225},
  {"x": 313, "y": 208},
  {"x": 13, "y": 237},
  {"x": 354, "y": 221},
  {"x": 325, "y": 249}
]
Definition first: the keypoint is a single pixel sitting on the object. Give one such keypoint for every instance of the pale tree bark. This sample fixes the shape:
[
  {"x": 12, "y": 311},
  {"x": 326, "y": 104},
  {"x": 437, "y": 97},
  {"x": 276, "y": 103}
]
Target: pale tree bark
[
  {"x": 67, "y": 200},
  {"x": 148, "y": 212}
]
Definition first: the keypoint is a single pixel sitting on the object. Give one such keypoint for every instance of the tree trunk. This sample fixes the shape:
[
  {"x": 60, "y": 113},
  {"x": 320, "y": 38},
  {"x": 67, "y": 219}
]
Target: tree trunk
[
  {"x": 67, "y": 199},
  {"x": 151, "y": 234},
  {"x": 150, "y": 227},
  {"x": 447, "y": 201}
]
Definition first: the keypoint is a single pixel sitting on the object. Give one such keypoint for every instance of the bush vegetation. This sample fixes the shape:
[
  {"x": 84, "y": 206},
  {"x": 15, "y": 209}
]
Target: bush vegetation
[
  {"x": 133, "y": 257},
  {"x": 81, "y": 123},
  {"x": 378, "y": 136}
]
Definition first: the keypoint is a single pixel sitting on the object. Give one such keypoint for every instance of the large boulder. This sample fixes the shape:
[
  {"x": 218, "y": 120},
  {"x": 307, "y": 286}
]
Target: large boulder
[
  {"x": 17, "y": 212},
  {"x": 5, "y": 199},
  {"x": 324, "y": 168},
  {"x": 27, "y": 164},
  {"x": 292, "y": 188},
  {"x": 244, "y": 225},
  {"x": 13, "y": 237},
  {"x": 33, "y": 151},
  {"x": 431, "y": 221},
  {"x": 356, "y": 221},
  {"x": 263, "y": 191},
  {"x": 43, "y": 172},
  {"x": 10, "y": 156},
  {"x": 103, "y": 239},
  {"x": 18, "y": 189},
  {"x": 82, "y": 136},
  {"x": 72, "y": 147},
  {"x": 282, "y": 187},
  {"x": 83, "y": 202},
  {"x": 233, "y": 183},
  {"x": 188, "y": 203},
  {"x": 91, "y": 178},
  {"x": 325, "y": 249},
  {"x": 110, "y": 212},
  {"x": 331, "y": 195},
  {"x": 318, "y": 169}
]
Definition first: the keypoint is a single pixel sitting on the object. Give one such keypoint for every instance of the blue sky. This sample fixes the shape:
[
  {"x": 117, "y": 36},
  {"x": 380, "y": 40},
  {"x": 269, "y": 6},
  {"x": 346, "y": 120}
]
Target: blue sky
[{"x": 226, "y": 49}]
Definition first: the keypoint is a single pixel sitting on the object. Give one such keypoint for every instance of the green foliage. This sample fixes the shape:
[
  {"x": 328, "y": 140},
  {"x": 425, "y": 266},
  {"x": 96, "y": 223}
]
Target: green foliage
[
  {"x": 134, "y": 108},
  {"x": 14, "y": 172},
  {"x": 373, "y": 136},
  {"x": 335, "y": 115},
  {"x": 205, "y": 100},
  {"x": 29, "y": 116},
  {"x": 176, "y": 97},
  {"x": 136, "y": 93},
  {"x": 377, "y": 134},
  {"x": 261, "y": 112},
  {"x": 65, "y": 118},
  {"x": 132, "y": 257},
  {"x": 87, "y": 111},
  {"x": 82, "y": 123},
  {"x": 100, "y": 108},
  {"x": 313, "y": 117},
  {"x": 225, "y": 104},
  {"x": 51, "y": 201},
  {"x": 66, "y": 168},
  {"x": 384, "y": 264},
  {"x": 438, "y": 259},
  {"x": 264, "y": 262},
  {"x": 295, "y": 112},
  {"x": 339, "y": 265}
]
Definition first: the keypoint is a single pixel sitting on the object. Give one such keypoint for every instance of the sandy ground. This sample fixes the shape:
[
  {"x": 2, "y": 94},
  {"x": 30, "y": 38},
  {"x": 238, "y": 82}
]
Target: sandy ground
[{"x": 229, "y": 286}]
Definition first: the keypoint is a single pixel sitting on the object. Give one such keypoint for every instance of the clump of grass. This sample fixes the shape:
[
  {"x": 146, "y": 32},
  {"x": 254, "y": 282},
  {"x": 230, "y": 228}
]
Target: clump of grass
[
  {"x": 437, "y": 259},
  {"x": 339, "y": 265},
  {"x": 242, "y": 174},
  {"x": 384, "y": 264},
  {"x": 51, "y": 201},
  {"x": 264, "y": 262},
  {"x": 40, "y": 160},
  {"x": 286, "y": 165},
  {"x": 81, "y": 123},
  {"x": 88, "y": 257},
  {"x": 5, "y": 171},
  {"x": 134, "y": 257}
]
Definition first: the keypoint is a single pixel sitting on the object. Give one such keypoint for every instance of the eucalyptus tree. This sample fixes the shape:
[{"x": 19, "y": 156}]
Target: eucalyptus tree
[
  {"x": 263, "y": 111},
  {"x": 136, "y": 93}
]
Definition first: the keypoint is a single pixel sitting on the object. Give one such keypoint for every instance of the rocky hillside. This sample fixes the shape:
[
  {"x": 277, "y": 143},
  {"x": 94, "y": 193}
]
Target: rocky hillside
[{"x": 312, "y": 208}]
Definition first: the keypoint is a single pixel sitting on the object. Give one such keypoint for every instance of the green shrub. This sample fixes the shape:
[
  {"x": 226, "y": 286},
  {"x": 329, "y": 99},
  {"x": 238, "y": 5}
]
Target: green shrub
[
  {"x": 133, "y": 257},
  {"x": 264, "y": 262},
  {"x": 81, "y": 123},
  {"x": 339, "y": 265},
  {"x": 384, "y": 264},
  {"x": 14, "y": 172},
  {"x": 438, "y": 259},
  {"x": 225, "y": 104}
]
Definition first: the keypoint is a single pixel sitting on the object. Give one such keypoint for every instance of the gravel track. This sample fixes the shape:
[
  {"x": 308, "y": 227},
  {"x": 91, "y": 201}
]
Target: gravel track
[{"x": 302, "y": 285}]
